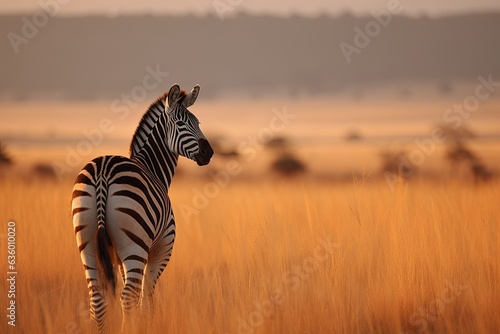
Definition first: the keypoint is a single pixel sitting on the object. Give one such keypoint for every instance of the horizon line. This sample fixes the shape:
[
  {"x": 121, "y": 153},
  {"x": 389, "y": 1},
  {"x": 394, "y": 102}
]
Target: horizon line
[{"x": 250, "y": 13}]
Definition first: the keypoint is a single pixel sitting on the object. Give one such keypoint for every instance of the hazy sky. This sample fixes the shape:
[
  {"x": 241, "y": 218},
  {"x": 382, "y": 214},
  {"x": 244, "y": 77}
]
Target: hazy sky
[{"x": 113, "y": 7}]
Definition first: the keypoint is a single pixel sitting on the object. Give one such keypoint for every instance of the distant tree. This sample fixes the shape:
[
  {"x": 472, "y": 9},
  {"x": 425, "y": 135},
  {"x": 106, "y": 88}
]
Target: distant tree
[
  {"x": 289, "y": 165},
  {"x": 480, "y": 172},
  {"x": 285, "y": 162},
  {"x": 5, "y": 158},
  {"x": 459, "y": 154},
  {"x": 396, "y": 163},
  {"x": 352, "y": 135},
  {"x": 44, "y": 171}
]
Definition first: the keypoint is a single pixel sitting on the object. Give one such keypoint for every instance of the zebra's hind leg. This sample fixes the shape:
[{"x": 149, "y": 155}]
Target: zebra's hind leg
[
  {"x": 98, "y": 308},
  {"x": 153, "y": 272},
  {"x": 98, "y": 303},
  {"x": 159, "y": 256},
  {"x": 133, "y": 267}
]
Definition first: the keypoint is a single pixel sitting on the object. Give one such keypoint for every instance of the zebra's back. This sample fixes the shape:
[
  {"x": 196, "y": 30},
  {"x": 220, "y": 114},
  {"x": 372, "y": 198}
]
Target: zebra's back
[{"x": 120, "y": 193}]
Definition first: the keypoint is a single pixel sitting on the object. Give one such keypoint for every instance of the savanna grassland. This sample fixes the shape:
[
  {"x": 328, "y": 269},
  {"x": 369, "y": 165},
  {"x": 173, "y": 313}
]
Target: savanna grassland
[{"x": 280, "y": 257}]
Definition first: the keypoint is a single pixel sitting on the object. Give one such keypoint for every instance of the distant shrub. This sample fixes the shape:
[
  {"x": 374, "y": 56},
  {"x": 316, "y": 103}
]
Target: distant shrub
[
  {"x": 396, "y": 163},
  {"x": 44, "y": 171},
  {"x": 5, "y": 158},
  {"x": 353, "y": 135},
  {"x": 288, "y": 165}
]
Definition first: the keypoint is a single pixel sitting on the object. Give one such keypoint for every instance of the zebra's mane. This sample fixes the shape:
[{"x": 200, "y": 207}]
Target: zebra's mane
[{"x": 148, "y": 121}]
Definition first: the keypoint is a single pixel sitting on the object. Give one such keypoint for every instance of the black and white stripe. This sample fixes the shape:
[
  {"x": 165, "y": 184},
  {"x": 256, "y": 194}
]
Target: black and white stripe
[{"x": 121, "y": 210}]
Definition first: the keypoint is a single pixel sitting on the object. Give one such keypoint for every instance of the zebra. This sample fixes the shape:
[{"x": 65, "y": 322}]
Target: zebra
[{"x": 120, "y": 206}]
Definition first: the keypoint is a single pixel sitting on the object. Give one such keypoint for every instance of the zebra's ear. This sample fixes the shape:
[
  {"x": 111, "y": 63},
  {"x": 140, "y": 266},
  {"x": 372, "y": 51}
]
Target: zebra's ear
[
  {"x": 191, "y": 98},
  {"x": 173, "y": 94}
]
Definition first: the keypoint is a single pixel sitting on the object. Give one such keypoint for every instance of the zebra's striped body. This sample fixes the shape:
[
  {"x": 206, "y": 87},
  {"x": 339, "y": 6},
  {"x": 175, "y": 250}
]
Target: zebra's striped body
[{"x": 121, "y": 210}]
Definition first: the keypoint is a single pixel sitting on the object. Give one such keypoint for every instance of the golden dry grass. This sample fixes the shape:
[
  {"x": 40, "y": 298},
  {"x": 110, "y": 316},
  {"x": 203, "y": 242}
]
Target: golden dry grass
[{"x": 282, "y": 257}]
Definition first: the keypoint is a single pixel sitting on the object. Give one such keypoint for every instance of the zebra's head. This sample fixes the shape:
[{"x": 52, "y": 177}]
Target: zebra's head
[{"x": 184, "y": 136}]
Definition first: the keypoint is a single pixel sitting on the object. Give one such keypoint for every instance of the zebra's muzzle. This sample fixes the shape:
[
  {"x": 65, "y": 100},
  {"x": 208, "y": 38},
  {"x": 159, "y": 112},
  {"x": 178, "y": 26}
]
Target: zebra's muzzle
[{"x": 205, "y": 153}]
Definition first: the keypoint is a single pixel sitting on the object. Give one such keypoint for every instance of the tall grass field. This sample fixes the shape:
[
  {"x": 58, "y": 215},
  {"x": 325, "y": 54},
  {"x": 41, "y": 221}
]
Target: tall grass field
[{"x": 288, "y": 256}]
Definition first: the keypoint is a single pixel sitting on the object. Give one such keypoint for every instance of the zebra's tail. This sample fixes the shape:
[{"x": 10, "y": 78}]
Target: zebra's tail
[{"x": 104, "y": 262}]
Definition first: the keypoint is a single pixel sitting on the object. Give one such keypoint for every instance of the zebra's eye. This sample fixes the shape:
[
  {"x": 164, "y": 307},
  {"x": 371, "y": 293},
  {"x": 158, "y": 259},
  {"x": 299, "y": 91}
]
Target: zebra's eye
[{"x": 179, "y": 123}]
